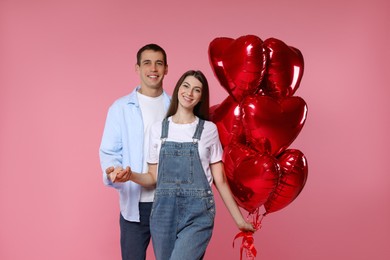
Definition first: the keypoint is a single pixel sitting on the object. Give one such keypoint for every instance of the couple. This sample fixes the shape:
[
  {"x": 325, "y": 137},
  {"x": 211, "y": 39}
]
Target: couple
[{"x": 155, "y": 150}]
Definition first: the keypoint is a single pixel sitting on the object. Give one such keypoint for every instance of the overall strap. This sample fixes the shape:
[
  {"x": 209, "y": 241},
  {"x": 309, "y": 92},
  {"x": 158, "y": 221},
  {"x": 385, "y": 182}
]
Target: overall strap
[
  {"x": 164, "y": 129},
  {"x": 199, "y": 130}
]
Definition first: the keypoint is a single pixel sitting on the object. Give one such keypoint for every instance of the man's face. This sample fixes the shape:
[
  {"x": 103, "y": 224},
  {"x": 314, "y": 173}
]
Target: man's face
[{"x": 152, "y": 69}]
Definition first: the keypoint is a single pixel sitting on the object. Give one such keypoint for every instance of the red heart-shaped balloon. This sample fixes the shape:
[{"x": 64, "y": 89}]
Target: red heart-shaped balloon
[
  {"x": 238, "y": 64},
  {"x": 284, "y": 69},
  {"x": 278, "y": 121},
  {"x": 251, "y": 176},
  {"x": 227, "y": 117},
  {"x": 217, "y": 48},
  {"x": 293, "y": 165},
  {"x": 234, "y": 154}
]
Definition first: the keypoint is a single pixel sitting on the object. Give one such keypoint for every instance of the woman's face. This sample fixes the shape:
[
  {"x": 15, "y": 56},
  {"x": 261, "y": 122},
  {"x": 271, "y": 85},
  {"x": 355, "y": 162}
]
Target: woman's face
[{"x": 190, "y": 92}]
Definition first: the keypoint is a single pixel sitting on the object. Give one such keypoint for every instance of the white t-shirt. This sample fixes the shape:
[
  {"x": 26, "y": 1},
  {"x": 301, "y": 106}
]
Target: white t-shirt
[
  {"x": 153, "y": 110},
  {"x": 209, "y": 146}
]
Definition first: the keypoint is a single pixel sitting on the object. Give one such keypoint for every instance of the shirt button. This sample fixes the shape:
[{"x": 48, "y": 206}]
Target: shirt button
[
  {"x": 209, "y": 192},
  {"x": 211, "y": 201}
]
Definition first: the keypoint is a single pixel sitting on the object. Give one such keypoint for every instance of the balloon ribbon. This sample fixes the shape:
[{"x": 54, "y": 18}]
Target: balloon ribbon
[{"x": 247, "y": 243}]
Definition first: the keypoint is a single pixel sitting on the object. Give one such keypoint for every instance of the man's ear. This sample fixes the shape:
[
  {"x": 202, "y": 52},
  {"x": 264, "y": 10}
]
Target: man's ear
[
  {"x": 166, "y": 69},
  {"x": 136, "y": 68}
]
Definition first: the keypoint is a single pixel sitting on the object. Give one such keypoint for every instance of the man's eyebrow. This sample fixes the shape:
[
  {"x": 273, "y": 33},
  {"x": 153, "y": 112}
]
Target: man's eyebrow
[{"x": 157, "y": 61}]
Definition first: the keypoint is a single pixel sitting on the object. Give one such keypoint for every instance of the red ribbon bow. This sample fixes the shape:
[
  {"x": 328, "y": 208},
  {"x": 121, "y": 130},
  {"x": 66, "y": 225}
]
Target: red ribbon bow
[{"x": 247, "y": 243}]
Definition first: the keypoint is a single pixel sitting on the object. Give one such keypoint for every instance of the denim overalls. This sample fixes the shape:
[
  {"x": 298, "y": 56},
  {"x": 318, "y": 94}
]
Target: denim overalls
[{"x": 183, "y": 212}]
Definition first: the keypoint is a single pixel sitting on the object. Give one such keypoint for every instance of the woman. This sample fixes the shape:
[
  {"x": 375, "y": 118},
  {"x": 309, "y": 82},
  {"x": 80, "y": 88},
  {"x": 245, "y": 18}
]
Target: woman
[{"x": 186, "y": 152}]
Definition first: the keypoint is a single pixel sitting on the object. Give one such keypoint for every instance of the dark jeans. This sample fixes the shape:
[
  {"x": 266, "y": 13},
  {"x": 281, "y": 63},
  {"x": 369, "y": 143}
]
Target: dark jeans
[{"x": 135, "y": 236}]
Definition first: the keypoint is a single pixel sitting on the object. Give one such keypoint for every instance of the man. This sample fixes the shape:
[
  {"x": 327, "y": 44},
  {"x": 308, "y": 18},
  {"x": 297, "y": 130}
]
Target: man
[{"x": 125, "y": 144}]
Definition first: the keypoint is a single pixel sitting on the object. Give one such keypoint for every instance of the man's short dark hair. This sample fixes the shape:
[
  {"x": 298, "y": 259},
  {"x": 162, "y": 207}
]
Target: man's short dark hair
[{"x": 152, "y": 47}]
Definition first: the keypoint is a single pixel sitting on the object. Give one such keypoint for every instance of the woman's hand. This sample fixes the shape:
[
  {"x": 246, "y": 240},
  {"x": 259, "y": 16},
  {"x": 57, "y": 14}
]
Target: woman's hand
[
  {"x": 246, "y": 227},
  {"x": 118, "y": 174},
  {"x": 123, "y": 175}
]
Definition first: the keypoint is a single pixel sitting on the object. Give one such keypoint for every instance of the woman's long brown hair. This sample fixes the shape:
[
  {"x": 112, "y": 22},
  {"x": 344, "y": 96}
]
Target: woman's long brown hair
[{"x": 201, "y": 109}]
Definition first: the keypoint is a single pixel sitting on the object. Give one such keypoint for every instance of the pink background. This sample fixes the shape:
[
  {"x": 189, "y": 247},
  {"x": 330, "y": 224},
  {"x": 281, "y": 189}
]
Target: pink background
[{"x": 62, "y": 63}]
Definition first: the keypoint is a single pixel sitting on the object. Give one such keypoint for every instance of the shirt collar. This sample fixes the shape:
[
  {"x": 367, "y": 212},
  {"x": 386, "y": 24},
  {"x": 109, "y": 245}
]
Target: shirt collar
[{"x": 133, "y": 97}]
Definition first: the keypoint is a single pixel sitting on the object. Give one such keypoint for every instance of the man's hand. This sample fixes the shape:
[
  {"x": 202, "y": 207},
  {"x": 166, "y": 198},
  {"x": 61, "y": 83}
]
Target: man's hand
[{"x": 118, "y": 174}]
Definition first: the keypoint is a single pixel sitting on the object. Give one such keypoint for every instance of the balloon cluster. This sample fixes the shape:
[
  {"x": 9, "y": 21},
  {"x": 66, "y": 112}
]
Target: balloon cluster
[{"x": 259, "y": 119}]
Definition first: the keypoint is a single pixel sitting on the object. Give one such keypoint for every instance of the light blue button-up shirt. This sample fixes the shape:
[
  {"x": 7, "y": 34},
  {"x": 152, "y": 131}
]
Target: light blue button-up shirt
[{"x": 122, "y": 145}]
